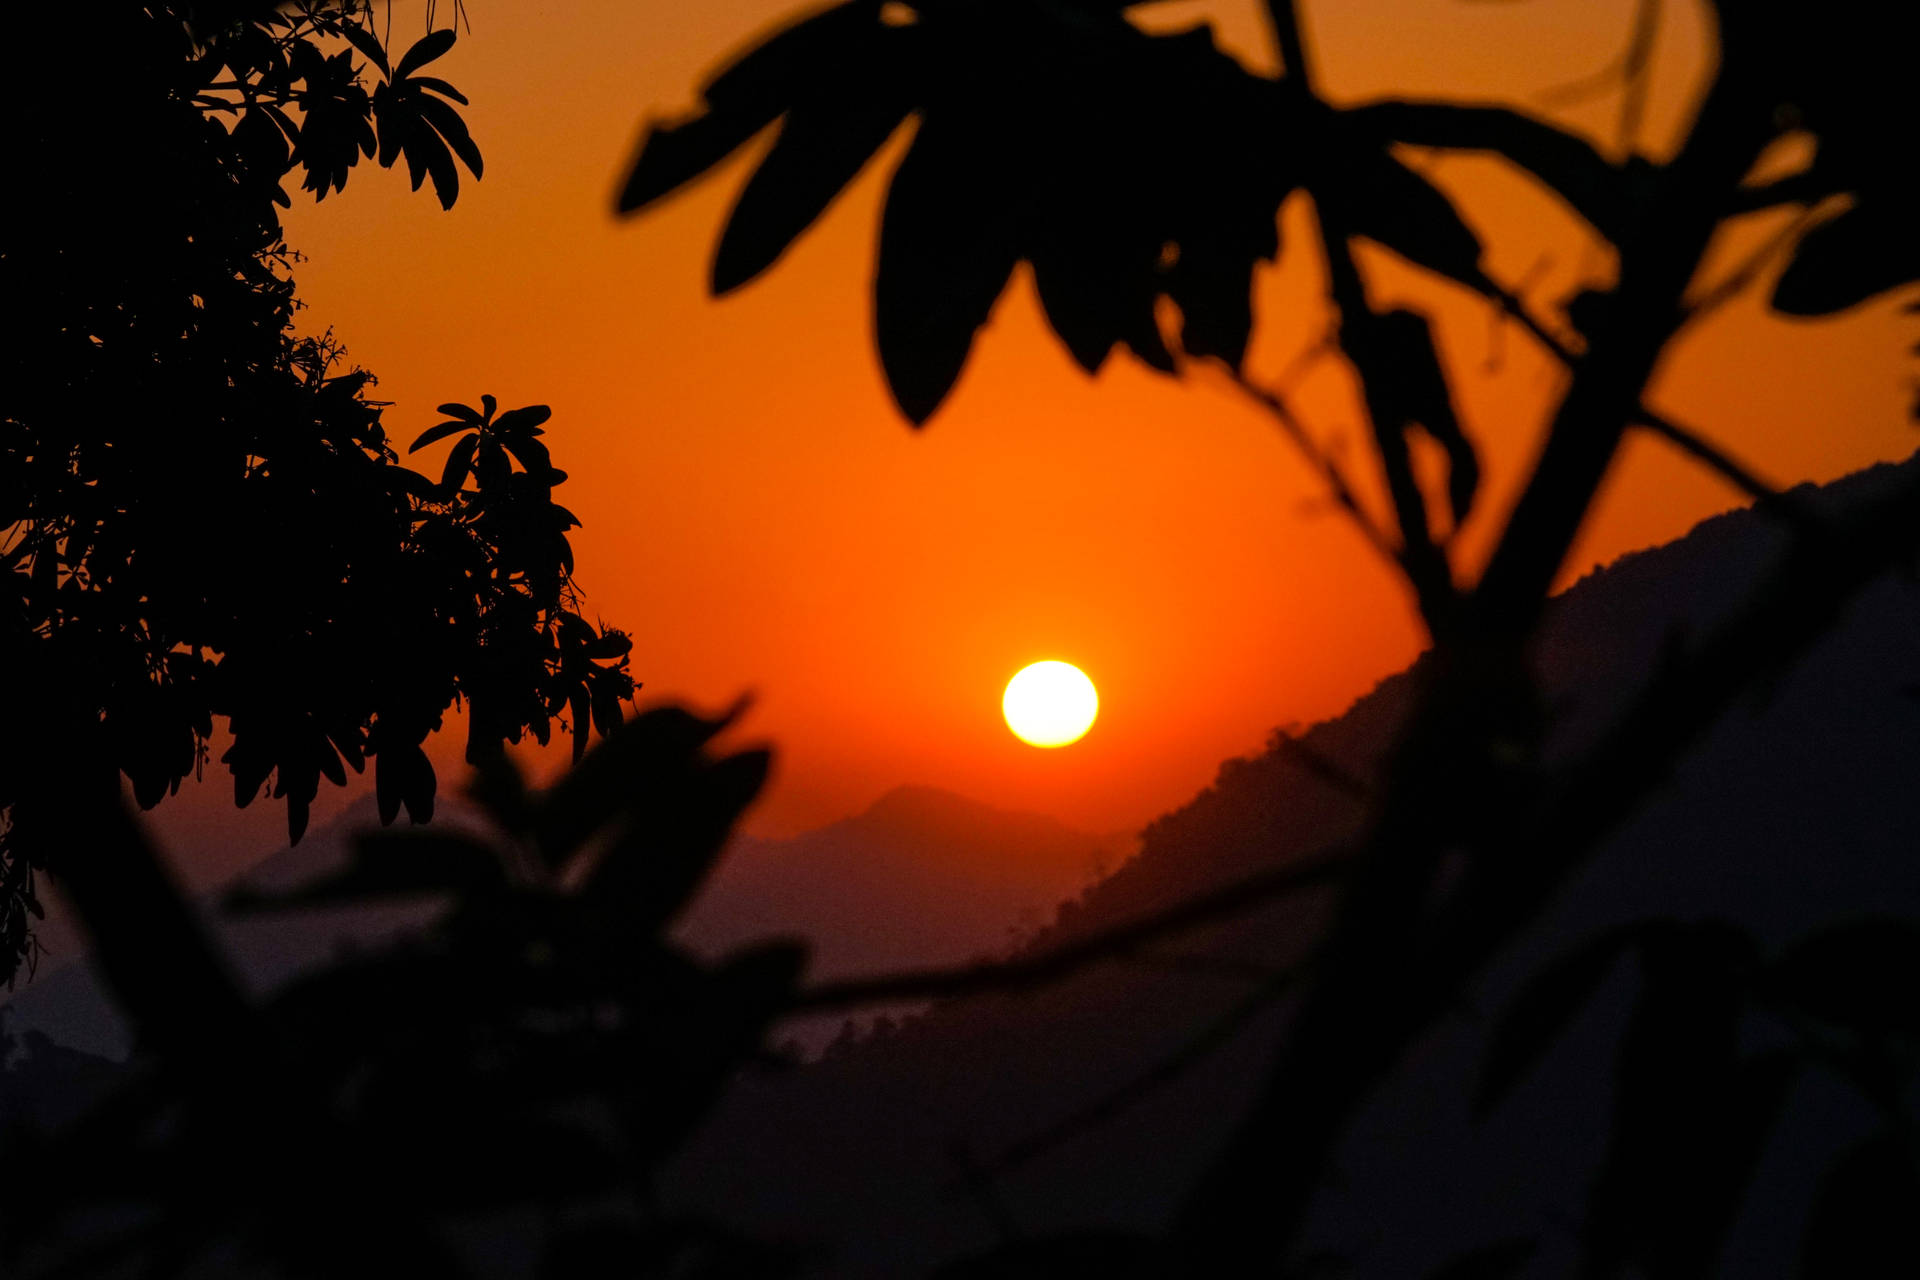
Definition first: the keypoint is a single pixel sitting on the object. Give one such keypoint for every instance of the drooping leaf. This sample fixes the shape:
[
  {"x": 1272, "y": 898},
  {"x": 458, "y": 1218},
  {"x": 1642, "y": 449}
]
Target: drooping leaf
[
  {"x": 1215, "y": 295},
  {"x": 1679, "y": 1083},
  {"x": 459, "y": 462},
  {"x": 652, "y": 877},
  {"x": 948, "y": 244},
  {"x": 822, "y": 145},
  {"x": 673, "y": 155},
  {"x": 1541, "y": 1010},
  {"x": 658, "y": 744},
  {"x": 526, "y": 419},
  {"x": 439, "y": 431},
  {"x": 1383, "y": 200},
  {"x": 1863, "y": 252},
  {"x": 427, "y": 48},
  {"x": 453, "y": 130},
  {"x": 439, "y": 86},
  {"x": 368, "y": 44}
]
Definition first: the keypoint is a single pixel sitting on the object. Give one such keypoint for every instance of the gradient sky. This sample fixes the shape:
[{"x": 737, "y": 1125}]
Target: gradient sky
[{"x": 759, "y": 518}]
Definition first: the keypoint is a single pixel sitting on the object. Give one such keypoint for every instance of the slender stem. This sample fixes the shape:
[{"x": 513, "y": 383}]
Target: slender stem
[{"x": 1235, "y": 898}]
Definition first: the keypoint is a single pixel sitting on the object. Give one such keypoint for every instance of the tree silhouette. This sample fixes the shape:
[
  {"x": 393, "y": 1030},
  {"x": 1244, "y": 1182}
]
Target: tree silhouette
[
  {"x": 1130, "y": 168},
  {"x": 531, "y": 1056},
  {"x": 203, "y": 516}
]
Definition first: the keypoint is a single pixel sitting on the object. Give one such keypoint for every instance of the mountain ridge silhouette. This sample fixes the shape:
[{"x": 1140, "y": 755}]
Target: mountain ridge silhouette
[{"x": 1792, "y": 812}]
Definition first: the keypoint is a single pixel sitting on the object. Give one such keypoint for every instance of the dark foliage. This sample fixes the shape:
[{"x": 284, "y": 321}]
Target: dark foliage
[
  {"x": 540, "y": 1046},
  {"x": 202, "y": 514},
  {"x": 1125, "y": 167}
]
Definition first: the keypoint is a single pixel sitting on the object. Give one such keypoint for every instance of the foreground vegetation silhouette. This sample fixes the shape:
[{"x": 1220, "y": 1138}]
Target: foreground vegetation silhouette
[
  {"x": 1127, "y": 168},
  {"x": 203, "y": 514},
  {"x": 498, "y": 1092}
]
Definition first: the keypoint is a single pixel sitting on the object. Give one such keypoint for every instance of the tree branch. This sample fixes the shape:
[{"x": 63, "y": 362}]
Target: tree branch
[{"x": 1236, "y": 898}]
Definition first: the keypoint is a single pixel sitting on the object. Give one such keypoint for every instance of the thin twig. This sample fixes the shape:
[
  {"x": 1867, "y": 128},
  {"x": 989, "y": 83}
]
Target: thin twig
[
  {"x": 1700, "y": 448},
  {"x": 1637, "y": 72},
  {"x": 1323, "y": 766},
  {"x": 1691, "y": 442},
  {"x": 1235, "y": 898},
  {"x": 1336, "y": 481}
]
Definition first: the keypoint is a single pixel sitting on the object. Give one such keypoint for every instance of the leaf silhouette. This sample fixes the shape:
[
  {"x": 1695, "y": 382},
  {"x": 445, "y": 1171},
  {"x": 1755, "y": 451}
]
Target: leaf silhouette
[
  {"x": 1541, "y": 1010},
  {"x": 947, "y": 249},
  {"x": 1681, "y": 1095},
  {"x": 744, "y": 98},
  {"x": 1865, "y": 251},
  {"x": 822, "y": 145},
  {"x": 1381, "y": 199},
  {"x": 439, "y": 431},
  {"x": 427, "y": 48}
]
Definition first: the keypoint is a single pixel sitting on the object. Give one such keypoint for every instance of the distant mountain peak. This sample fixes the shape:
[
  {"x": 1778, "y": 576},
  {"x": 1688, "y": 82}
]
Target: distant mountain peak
[{"x": 921, "y": 806}]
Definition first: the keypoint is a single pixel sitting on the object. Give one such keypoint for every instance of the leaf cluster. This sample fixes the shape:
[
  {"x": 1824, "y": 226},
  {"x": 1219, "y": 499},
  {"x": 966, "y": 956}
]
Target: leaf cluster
[
  {"x": 201, "y": 515},
  {"x": 1129, "y": 168},
  {"x": 290, "y": 84}
]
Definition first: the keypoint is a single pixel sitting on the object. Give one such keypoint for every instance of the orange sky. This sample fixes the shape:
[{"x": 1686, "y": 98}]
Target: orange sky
[{"x": 760, "y": 519}]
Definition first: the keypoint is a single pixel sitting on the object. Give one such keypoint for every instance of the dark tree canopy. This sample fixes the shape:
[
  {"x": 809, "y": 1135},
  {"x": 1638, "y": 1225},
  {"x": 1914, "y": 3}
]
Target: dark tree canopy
[
  {"x": 201, "y": 514},
  {"x": 1126, "y": 166}
]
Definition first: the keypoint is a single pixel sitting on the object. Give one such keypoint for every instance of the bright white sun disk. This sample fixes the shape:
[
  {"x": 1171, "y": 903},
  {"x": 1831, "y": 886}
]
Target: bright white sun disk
[{"x": 1050, "y": 704}]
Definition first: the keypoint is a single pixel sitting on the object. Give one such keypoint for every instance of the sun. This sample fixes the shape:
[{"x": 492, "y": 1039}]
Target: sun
[{"x": 1050, "y": 704}]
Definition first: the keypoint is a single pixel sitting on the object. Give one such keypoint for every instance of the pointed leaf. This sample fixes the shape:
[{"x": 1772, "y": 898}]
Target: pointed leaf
[
  {"x": 672, "y": 155},
  {"x": 447, "y": 122},
  {"x": 523, "y": 419},
  {"x": 1865, "y": 251},
  {"x": 745, "y": 97},
  {"x": 1541, "y": 1010},
  {"x": 947, "y": 249},
  {"x": 459, "y": 462},
  {"x": 440, "y": 87},
  {"x": 368, "y": 44},
  {"x": 426, "y": 49},
  {"x": 821, "y": 147},
  {"x": 1384, "y": 200},
  {"x": 439, "y": 431}
]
